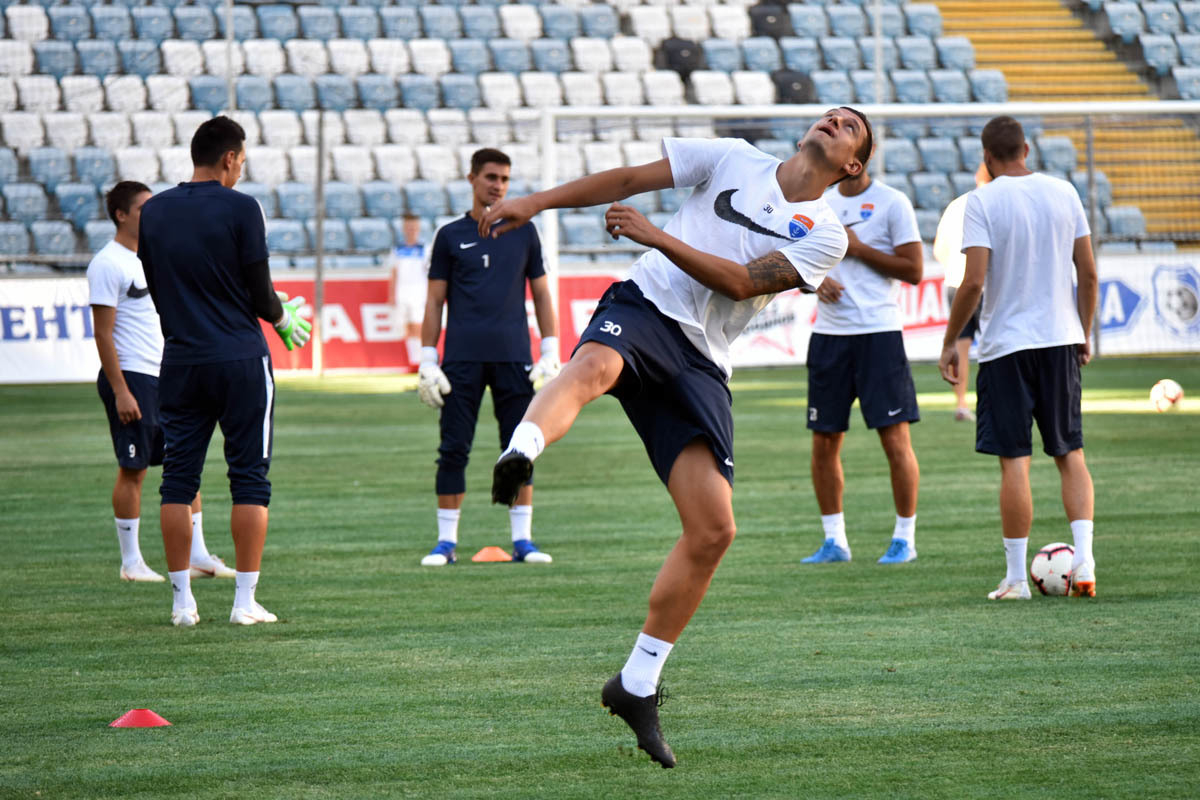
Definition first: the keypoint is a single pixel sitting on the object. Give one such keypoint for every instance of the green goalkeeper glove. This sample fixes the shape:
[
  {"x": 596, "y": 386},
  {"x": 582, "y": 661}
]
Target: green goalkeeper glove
[{"x": 291, "y": 327}]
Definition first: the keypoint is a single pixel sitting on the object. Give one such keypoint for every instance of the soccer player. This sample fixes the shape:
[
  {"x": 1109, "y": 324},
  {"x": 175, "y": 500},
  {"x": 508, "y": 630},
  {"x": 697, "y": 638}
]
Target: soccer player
[
  {"x": 482, "y": 282},
  {"x": 659, "y": 342},
  {"x": 1025, "y": 236},
  {"x": 204, "y": 249},
  {"x": 130, "y": 344},
  {"x": 408, "y": 281},
  {"x": 947, "y": 249},
  {"x": 857, "y": 350}
]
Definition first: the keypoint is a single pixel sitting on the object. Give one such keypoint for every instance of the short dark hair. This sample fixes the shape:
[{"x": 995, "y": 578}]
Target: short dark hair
[
  {"x": 488, "y": 155},
  {"x": 1004, "y": 138},
  {"x": 867, "y": 148},
  {"x": 214, "y": 138},
  {"x": 120, "y": 197}
]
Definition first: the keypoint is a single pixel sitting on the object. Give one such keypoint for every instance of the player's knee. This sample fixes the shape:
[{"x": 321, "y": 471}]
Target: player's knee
[
  {"x": 450, "y": 481},
  {"x": 595, "y": 370},
  {"x": 249, "y": 486},
  {"x": 131, "y": 475},
  {"x": 179, "y": 489},
  {"x": 708, "y": 542}
]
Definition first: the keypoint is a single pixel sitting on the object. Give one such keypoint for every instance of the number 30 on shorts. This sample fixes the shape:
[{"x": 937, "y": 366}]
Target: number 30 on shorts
[{"x": 610, "y": 327}]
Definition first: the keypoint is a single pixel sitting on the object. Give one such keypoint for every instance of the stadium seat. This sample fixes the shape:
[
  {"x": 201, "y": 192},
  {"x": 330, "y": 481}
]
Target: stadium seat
[
  {"x": 1125, "y": 221},
  {"x": 364, "y": 127},
  {"x": 988, "y": 85},
  {"x": 650, "y": 23},
  {"x": 279, "y": 22},
  {"x": 125, "y": 93},
  {"x": 38, "y": 93},
  {"x": 890, "y": 54},
  {"x": 865, "y": 89},
  {"x": 761, "y": 53},
  {"x": 731, "y": 21},
  {"x": 1189, "y": 48},
  {"x": 381, "y": 199},
  {"x": 336, "y": 234},
  {"x": 962, "y": 182},
  {"x": 294, "y": 92},
  {"x": 1123, "y": 20},
  {"x": 388, "y": 58},
  {"x": 370, "y": 235},
  {"x": 317, "y": 22},
  {"x": 77, "y": 202},
  {"x": 430, "y": 56},
  {"x": 94, "y": 165},
  {"x": 549, "y": 55},
  {"x": 209, "y": 92},
  {"x": 950, "y": 86},
  {"x": 70, "y": 23},
  {"x": 109, "y": 23},
  {"x": 846, "y": 20},
  {"x": 400, "y": 23},
  {"x": 1190, "y": 14},
  {"x": 500, "y": 90},
  {"x": 540, "y": 89},
  {"x": 689, "y": 22},
  {"x": 1104, "y": 192},
  {"x": 631, "y": 54},
  {"x": 97, "y": 58},
  {"x": 440, "y": 22},
  {"x": 406, "y": 126},
  {"x": 833, "y": 86},
  {"x": 840, "y": 53},
  {"x": 342, "y": 200},
  {"x": 792, "y": 86},
  {"x": 266, "y": 165},
  {"x": 579, "y": 228},
  {"x": 22, "y": 131},
  {"x": 479, "y": 22},
  {"x": 672, "y": 199},
  {"x": 195, "y": 23},
  {"x": 599, "y": 20},
  {"x": 16, "y": 58},
  {"x": 152, "y": 129},
  {"x": 419, "y": 91},
  {"x": 57, "y": 58},
  {"x": 901, "y": 155},
  {"x": 927, "y": 223},
  {"x": 808, "y": 20},
  {"x": 26, "y": 202},
  {"x": 254, "y": 93},
  {"x": 98, "y": 232},
  {"x": 448, "y": 126},
  {"x": 752, "y": 88},
  {"x": 459, "y": 91},
  {"x": 800, "y": 54},
  {"x": 582, "y": 88},
  {"x": 1187, "y": 80},
  {"x": 912, "y": 86},
  {"x": 360, "y": 22},
  {"x": 52, "y": 237},
  {"x": 348, "y": 57},
  {"x": 939, "y": 154},
  {"x": 8, "y": 93},
  {"x": 560, "y": 22},
  {"x": 335, "y": 92},
  {"x": 425, "y": 198},
  {"x": 488, "y": 128},
  {"x": 49, "y": 166},
  {"x": 971, "y": 151},
  {"x": 712, "y": 88},
  {"x": 436, "y": 162},
  {"x": 168, "y": 93},
  {"x": 65, "y": 130},
  {"x": 137, "y": 164},
  {"x": 461, "y": 195},
  {"x": 175, "y": 163},
  {"x": 898, "y": 182},
  {"x": 1159, "y": 51},
  {"x": 307, "y": 58},
  {"x": 520, "y": 22},
  {"x": 377, "y": 92},
  {"x": 470, "y": 56},
  {"x": 1057, "y": 153},
  {"x": 394, "y": 163},
  {"x": 932, "y": 190},
  {"x": 216, "y": 55},
  {"x": 955, "y": 52},
  {"x": 923, "y": 19},
  {"x": 663, "y": 88},
  {"x": 14, "y": 238},
  {"x": 296, "y": 200},
  {"x": 591, "y": 55},
  {"x": 622, "y": 89},
  {"x": 916, "y": 52},
  {"x": 264, "y": 194},
  {"x": 335, "y": 134},
  {"x": 722, "y": 55},
  {"x": 770, "y": 20},
  {"x": 510, "y": 55},
  {"x": 286, "y": 236},
  {"x": 139, "y": 57},
  {"x": 245, "y": 23},
  {"x": 280, "y": 128},
  {"x": 182, "y": 58}
]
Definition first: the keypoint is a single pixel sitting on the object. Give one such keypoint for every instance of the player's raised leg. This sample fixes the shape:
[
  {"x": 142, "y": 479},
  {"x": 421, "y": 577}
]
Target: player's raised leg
[
  {"x": 906, "y": 479},
  {"x": 1078, "y": 498},
  {"x": 1016, "y": 518}
]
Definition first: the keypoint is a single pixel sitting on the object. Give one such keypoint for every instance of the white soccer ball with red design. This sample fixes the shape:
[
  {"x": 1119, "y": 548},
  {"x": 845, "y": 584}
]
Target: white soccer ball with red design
[
  {"x": 1051, "y": 568},
  {"x": 1166, "y": 395}
]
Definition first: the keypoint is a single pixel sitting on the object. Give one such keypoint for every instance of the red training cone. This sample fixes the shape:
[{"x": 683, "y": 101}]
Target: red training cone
[
  {"x": 138, "y": 718},
  {"x": 492, "y": 553}
]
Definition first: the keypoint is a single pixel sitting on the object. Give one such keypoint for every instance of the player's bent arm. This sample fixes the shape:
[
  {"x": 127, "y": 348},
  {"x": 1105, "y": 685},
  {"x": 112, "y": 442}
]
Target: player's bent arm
[
  {"x": 1087, "y": 292},
  {"x": 104, "y": 320},
  {"x": 543, "y": 306},
  {"x": 968, "y": 294},
  {"x": 431, "y": 325},
  {"x": 908, "y": 263},
  {"x": 263, "y": 300}
]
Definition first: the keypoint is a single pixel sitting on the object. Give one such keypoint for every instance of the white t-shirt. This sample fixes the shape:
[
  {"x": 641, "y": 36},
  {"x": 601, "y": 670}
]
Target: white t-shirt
[
  {"x": 883, "y": 219},
  {"x": 737, "y": 211},
  {"x": 115, "y": 278},
  {"x": 947, "y": 242},
  {"x": 1030, "y": 223}
]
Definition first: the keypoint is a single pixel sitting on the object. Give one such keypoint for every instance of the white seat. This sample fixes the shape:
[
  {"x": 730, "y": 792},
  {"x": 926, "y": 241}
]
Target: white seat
[
  {"x": 500, "y": 90},
  {"x": 570, "y": 164},
  {"x": 695, "y": 128},
  {"x": 591, "y": 54},
  {"x": 448, "y": 126},
  {"x": 653, "y": 129},
  {"x": 81, "y": 93},
  {"x": 266, "y": 165},
  {"x": 182, "y": 57},
  {"x": 28, "y": 23},
  {"x": 348, "y": 57},
  {"x": 430, "y": 56},
  {"x": 22, "y": 131},
  {"x": 582, "y": 88},
  {"x": 110, "y": 129},
  {"x": 520, "y": 22},
  {"x": 168, "y": 93},
  {"x": 364, "y": 126},
  {"x": 650, "y": 23},
  {"x": 280, "y": 128},
  {"x": 39, "y": 93},
  {"x": 526, "y": 166},
  {"x": 729, "y": 21},
  {"x": 488, "y": 127},
  {"x": 8, "y": 94},
  {"x": 388, "y": 57},
  {"x": 663, "y": 87},
  {"x": 264, "y": 57},
  {"x": 303, "y": 159},
  {"x": 599, "y": 156},
  {"x": 176, "y": 163},
  {"x": 307, "y": 57},
  {"x": 436, "y": 162},
  {"x": 631, "y": 54},
  {"x": 622, "y": 89},
  {"x": 153, "y": 129},
  {"x": 335, "y": 127},
  {"x": 541, "y": 89},
  {"x": 395, "y": 162},
  {"x": 641, "y": 152},
  {"x": 406, "y": 126},
  {"x": 66, "y": 130},
  {"x": 711, "y": 88},
  {"x": 16, "y": 58},
  {"x": 753, "y": 88},
  {"x": 125, "y": 92},
  {"x": 353, "y": 164},
  {"x": 690, "y": 22},
  {"x": 137, "y": 164},
  {"x": 527, "y": 124},
  {"x": 465, "y": 151},
  {"x": 186, "y": 122},
  {"x": 249, "y": 122},
  {"x": 216, "y": 52}
]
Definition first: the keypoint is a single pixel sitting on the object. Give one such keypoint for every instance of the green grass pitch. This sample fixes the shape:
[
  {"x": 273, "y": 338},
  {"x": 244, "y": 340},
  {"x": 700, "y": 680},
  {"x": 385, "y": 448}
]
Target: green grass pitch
[{"x": 383, "y": 679}]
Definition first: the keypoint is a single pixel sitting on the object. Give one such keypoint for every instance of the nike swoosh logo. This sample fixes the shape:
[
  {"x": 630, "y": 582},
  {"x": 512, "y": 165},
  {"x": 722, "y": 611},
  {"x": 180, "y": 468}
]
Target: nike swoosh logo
[
  {"x": 724, "y": 209},
  {"x": 650, "y": 652},
  {"x": 729, "y": 462},
  {"x": 894, "y": 413},
  {"x": 463, "y": 246},
  {"x": 135, "y": 292}
]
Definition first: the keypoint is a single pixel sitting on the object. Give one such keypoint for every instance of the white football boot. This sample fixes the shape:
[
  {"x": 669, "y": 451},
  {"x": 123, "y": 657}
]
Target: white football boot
[
  {"x": 251, "y": 616},
  {"x": 211, "y": 567},
  {"x": 1011, "y": 591},
  {"x": 184, "y": 617},
  {"x": 141, "y": 573}
]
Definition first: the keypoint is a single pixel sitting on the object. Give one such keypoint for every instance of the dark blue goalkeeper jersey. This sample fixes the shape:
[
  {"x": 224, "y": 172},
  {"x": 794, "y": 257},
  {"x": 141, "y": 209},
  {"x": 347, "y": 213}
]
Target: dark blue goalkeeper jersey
[{"x": 485, "y": 296}]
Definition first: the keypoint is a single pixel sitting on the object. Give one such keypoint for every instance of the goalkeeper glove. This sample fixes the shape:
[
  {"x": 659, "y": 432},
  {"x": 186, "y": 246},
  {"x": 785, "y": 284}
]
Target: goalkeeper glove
[
  {"x": 548, "y": 366},
  {"x": 432, "y": 382},
  {"x": 291, "y": 327}
]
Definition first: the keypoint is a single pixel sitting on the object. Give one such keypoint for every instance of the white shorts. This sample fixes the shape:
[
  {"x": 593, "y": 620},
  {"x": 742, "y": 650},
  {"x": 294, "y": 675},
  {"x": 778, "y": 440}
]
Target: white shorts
[{"x": 411, "y": 282}]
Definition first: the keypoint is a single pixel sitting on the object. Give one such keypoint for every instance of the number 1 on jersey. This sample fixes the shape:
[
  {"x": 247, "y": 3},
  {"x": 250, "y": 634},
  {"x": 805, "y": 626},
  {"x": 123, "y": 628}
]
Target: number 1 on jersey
[{"x": 486, "y": 262}]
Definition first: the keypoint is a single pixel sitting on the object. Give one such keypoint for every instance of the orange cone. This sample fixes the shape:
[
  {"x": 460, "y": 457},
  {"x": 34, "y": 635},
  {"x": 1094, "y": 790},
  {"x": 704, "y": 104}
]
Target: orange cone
[
  {"x": 492, "y": 553},
  {"x": 138, "y": 718}
]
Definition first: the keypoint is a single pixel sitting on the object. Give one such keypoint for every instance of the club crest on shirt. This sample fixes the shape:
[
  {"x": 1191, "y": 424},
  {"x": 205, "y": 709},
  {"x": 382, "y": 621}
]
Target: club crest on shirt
[
  {"x": 866, "y": 211},
  {"x": 799, "y": 226}
]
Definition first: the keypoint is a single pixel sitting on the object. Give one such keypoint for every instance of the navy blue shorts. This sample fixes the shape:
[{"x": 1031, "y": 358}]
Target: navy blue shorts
[
  {"x": 194, "y": 399},
  {"x": 1016, "y": 389},
  {"x": 139, "y": 444},
  {"x": 972, "y": 327},
  {"x": 670, "y": 391},
  {"x": 511, "y": 393},
  {"x": 870, "y": 366}
]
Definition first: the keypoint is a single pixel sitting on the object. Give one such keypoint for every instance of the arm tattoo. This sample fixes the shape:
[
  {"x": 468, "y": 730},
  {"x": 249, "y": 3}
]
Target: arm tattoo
[{"x": 773, "y": 273}]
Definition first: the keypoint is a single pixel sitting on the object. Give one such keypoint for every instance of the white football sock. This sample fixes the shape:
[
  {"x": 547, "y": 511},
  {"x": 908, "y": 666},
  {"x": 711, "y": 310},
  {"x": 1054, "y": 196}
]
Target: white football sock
[
  {"x": 181, "y": 587},
  {"x": 521, "y": 520},
  {"x": 906, "y": 529},
  {"x": 127, "y": 536},
  {"x": 528, "y": 439},
  {"x": 640, "y": 674},
  {"x": 835, "y": 528},
  {"x": 447, "y": 519},
  {"x": 1014, "y": 554},
  {"x": 1081, "y": 532},
  {"x": 199, "y": 548},
  {"x": 245, "y": 583}
]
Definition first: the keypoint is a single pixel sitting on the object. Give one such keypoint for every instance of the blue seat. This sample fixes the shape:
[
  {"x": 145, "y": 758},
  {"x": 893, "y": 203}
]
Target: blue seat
[
  {"x": 1104, "y": 191},
  {"x": 560, "y": 22},
  {"x": 377, "y": 91},
  {"x": 112, "y": 23},
  {"x": 582, "y": 228},
  {"x": 342, "y": 200},
  {"x": 939, "y": 154},
  {"x": 49, "y": 166},
  {"x": 245, "y": 23},
  {"x": 460, "y": 91},
  {"x": 278, "y": 22},
  {"x": 470, "y": 56},
  {"x": 440, "y": 22},
  {"x": 153, "y": 23},
  {"x": 418, "y": 91},
  {"x": 425, "y": 198},
  {"x": 335, "y": 92},
  {"x": 94, "y": 165},
  {"x": 962, "y": 182},
  {"x": 97, "y": 57},
  {"x": 318, "y": 22},
  {"x": 901, "y": 156},
  {"x": 892, "y": 21},
  {"x": 264, "y": 194},
  {"x": 25, "y": 202},
  {"x": 1162, "y": 18},
  {"x": 846, "y": 20},
  {"x": 924, "y": 19},
  {"x": 866, "y": 46},
  {"x": 1125, "y": 221},
  {"x": 645, "y": 202},
  {"x": 800, "y": 53},
  {"x": 294, "y": 92},
  {"x": 840, "y": 52},
  {"x": 195, "y": 22},
  {"x": 549, "y": 55},
  {"x": 1159, "y": 51},
  {"x": 370, "y": 235},
  {"x": 1187, "y": 81},
  {"x": 1057, "y": 153},
  {"x": 1123, "y": 20},
  {"x": 140, "y": 57},
  {"x": 721, "y": 55},
  {"x": 912, "y": 86},
  {"x": 296, "y": 200},
  {"x": 209, "y": 92},
  {"x": 833, "y": 86},
  {"x": 461, "y": 194},
  {"x": 337, "y": 234},
  {"x": 55, "y": 57},
  {"x": 77, "y": 202},
  {"x": 254, "y": 93},
  {"x": 927, "y": 223},
  {"x": 971, "y": 151},
  {"x": 761, "y": 54},
  {"x": 69, "y": 23},
  {"x": 950, "y": 85},
  {"x": 8, "y": 166},
  {"x": 916, "y": 52},
  {"x": 510, "y": 55},
  {"x": 14, "y": 238},
  {"x": 359, "y": 22},
  {"x": 400, "y": 22},
  {"x": 988, "y": 85},
  {"x": 98, "y": 232},
  {"x": 808, "y": 20},
  {"x": 955, "y": 52},
  {"x": 672, "y": 199},
  {"x": 381, "y": 199},
  {"x": 286, "y": 236},
  {"x": 53, "y": 237},
  {"x": 599, "y": 20},
  {"x": 479, "y": 22},
  {"x": 932, "y": 190},
  {"x": 1189, "y": 48},
  {"x": 1190, "y": 11},
  {"x": 864, "y": 87}
]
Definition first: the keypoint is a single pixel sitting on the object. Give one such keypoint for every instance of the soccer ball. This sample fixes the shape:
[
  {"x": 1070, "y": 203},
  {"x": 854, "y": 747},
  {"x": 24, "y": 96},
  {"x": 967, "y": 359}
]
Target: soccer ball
[
  {"x": 1166, "y": 395},
  {"x": 1051, "y": 568}
]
